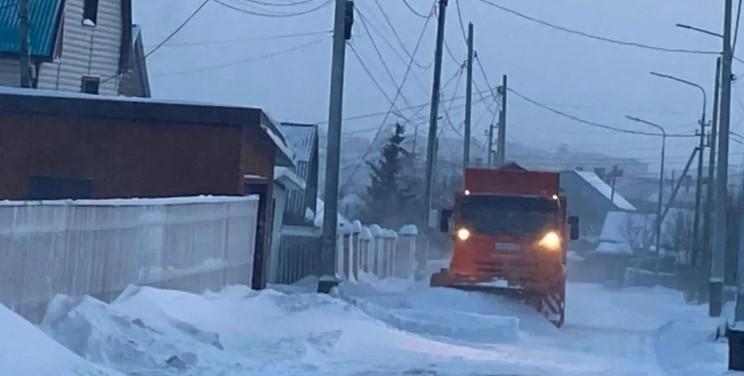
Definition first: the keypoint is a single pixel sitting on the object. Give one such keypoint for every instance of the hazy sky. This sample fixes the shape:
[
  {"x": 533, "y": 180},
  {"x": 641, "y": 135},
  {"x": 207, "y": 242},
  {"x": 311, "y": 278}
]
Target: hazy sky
[{"x": 584, "y": 77}]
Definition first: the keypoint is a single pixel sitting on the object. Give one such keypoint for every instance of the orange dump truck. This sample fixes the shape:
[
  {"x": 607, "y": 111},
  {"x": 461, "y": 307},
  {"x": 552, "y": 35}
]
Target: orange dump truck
[{"x": 510, "y": 234}]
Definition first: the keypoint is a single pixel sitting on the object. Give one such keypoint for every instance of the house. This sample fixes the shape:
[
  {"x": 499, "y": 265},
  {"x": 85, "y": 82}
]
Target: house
[
  {"x": 86, "y": 46},
  {"x": 69, "y": 145},
  {"x": 303, "y": 139},
  {"x": 590, "y": 198}
]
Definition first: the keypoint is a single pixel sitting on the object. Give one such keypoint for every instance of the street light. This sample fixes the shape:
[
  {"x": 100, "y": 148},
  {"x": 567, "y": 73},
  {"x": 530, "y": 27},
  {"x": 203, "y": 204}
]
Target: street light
[
  {"x": 693, "y": 28},
  {"x": 661, "y": 186},
  {"x": 698, "y": 187}
]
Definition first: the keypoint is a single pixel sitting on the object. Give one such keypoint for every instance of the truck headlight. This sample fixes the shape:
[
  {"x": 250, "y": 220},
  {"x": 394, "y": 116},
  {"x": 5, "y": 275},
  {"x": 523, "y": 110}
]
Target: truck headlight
[
  {"x": 463, "y": 234},
  {"x": 551, "y": 241}
]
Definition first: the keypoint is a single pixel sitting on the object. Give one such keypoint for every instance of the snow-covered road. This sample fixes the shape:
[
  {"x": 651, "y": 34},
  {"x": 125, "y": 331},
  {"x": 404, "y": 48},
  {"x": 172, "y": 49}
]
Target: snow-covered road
[{"x": 378, "y": 327}]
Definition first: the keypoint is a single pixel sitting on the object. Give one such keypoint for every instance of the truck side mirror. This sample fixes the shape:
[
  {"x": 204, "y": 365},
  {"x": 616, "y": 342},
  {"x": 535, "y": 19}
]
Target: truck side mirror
[
  {"x": 444, "y": 220},
  {"x": 573, "y": 223}
]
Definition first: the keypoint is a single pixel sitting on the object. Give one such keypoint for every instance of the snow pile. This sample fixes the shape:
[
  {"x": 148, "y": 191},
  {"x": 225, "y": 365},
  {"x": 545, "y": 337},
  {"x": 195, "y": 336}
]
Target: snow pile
[
  {"x": 26, "y": 350},
  {"x": 390, "y": 326}
]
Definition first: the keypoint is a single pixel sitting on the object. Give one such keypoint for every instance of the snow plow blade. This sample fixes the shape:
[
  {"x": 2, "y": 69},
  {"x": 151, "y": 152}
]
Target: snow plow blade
[{"x": 550, "y": 305}]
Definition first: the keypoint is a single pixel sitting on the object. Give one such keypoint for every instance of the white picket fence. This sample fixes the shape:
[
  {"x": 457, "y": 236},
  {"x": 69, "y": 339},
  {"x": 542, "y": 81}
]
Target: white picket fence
[
  {"x": 374, "y": 250},
  {"x": 98, "y": 247}
]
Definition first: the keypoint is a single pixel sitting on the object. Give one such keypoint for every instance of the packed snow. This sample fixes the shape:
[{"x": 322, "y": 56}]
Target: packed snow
[{"x": 373, "y": 327}]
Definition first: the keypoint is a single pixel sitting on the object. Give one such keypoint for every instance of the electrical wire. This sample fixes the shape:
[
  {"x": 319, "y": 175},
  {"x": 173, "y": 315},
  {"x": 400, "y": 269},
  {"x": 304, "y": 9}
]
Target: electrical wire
[
  {"x": 178, "y": 29},
  {"x": 736, "y": 33},
  {"x": 375, "y": 81},
  {"x": 397, "y": 36},
  {"x": 273, "y": 15},
  {"x": 380, "y": 57},
  {"x": 241, "y": 61},
  {"x": 238, "y": 40},
  {"x": 596, "y": 36},
  {"x": 485, "y": 77},
  {"x": 414, "y": 11},
  {"x": 277, "y": 4},
  {"x": 400, "y": 87},
  {"x": 371, "y": 27},
  {"x": 461, "y": 22},
  {"x": 591, "y": 123}
]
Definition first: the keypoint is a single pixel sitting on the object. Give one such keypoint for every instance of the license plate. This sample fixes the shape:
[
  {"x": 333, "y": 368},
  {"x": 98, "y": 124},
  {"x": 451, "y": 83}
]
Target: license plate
[{"x": 507, "y": 247}]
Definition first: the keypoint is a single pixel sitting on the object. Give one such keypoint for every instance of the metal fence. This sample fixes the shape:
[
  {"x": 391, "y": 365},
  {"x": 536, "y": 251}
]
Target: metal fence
[
  {"x": 99, "y": 247},
  {"x": 373, "y": 250}
]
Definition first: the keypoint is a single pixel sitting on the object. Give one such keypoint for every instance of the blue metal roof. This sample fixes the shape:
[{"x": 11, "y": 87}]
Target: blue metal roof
[
  {"x": 44, "y": 19},
  {"x": 302, "y": 138}
]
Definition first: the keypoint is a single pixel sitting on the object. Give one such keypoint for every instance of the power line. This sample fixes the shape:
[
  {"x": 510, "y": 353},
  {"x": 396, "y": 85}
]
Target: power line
[
  {"x": 595, "y": 36},
  {"x": 587, "y": 122},
  {"x": 178, "y": 29},
  {"x": 374, "y": 80},
  {"x": 414, "y": 11},
  {"x": 736, "y": 33},
  {"x": 397, "y": 36},
  {"x": 371, "y": 27},
  {"x": 241, "y": 61},
  {"x": 265, "y": 3},
  {"x": 379, "y": 56},
  {"x": 272, "y": 15},
  {"x": 400, "y": 87},
  {"x": 237, "y": 40}
]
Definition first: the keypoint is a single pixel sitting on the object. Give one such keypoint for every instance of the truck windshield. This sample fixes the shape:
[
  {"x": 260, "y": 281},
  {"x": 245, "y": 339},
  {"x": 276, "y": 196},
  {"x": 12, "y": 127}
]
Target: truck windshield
[{"x": 493, "y": 215}]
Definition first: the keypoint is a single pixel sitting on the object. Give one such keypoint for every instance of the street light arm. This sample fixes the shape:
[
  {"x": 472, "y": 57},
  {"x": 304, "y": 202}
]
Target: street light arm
[
  {"x": 693, "y": 28},
  {"x": 690, "y": 83},
  {"x": 639, "y": 120}
]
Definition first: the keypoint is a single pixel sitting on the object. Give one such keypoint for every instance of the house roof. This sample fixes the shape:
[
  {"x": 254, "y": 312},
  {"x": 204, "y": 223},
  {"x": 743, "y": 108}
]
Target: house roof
[
  {"x": 603, "y": 188},
  {"x": 301, "y": 137},
  {"x": 44, "y": 19},
  {"x": 55, "y": 103},
  {"x": 288, "y": 179}
]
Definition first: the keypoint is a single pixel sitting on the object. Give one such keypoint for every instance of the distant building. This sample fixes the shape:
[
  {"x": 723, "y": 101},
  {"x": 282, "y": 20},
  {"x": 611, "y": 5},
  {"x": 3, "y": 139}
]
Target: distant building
[
  {"x": 60, "y": 145},
  {"x": 590, "y": 198},
  {"x": 87, "y": 46},
  {"x": 303, "y": 139}
]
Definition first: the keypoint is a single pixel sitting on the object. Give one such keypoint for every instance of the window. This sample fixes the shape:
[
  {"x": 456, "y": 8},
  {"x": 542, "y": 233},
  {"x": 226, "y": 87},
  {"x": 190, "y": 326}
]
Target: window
[
  {"x": 90, "y": 12},
  {"x": 90, "y": 85}
]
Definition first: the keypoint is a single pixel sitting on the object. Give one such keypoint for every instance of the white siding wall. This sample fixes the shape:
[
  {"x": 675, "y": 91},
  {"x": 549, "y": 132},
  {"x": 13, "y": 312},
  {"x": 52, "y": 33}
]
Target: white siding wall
[
  {"x": 86, "y": 51},
  {"x": 10, "y": 72}
]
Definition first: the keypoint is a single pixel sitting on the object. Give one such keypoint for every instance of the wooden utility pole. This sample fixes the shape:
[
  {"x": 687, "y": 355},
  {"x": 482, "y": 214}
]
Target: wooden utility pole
[
  {"x": 23, "y": 46},
  {"x": 501, "y": 156},
  {"x": 721, "y": 196},
  {"x": 433, "y": 115},
  {"x": 341, "y": 33},
  {"x": 468, "y": 99},
  {"x": 710, "y": 193}
]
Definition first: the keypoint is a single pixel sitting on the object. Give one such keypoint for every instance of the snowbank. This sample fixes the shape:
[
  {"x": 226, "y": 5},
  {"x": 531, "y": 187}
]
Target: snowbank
[
  {"x": 389, "y": 326},
  {"x": 26, "y": 350}
]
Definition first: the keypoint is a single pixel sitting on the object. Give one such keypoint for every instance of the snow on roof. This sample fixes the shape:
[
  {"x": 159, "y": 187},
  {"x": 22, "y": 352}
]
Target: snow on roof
[
  {"x": 288, "y": 178},
  {"x": 301, "y": 137},
  {"x": 598, "y": 184}
]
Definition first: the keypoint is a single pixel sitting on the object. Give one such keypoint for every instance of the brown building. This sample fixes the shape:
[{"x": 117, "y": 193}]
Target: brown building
[{"x": 55, "y": 145}]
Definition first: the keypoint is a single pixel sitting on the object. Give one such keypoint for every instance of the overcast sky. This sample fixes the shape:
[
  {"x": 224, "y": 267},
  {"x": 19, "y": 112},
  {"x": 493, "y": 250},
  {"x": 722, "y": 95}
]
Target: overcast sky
[{"x": 587, "y": 78}]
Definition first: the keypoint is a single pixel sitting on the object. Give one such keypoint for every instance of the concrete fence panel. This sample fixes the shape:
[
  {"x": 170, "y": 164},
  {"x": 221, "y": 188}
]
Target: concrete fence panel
[{"x": 98, "y": 247}]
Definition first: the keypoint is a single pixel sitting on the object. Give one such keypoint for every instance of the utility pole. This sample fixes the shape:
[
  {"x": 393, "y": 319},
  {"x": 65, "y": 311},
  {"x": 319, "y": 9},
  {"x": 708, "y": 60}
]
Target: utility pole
[
  {"x": 710, "y": 192},
  {"x": 343, "y": 20},
  {"x": 489, "y": 134},
  {"x": 721, "y": 196},
  {"x": 25, "y": 60},
  {"x": 501, "y": 159},
  {"x": 468, "y": 99},
  {"x": 433, "y": 115},
  {"x": 613, "y": 175}
]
